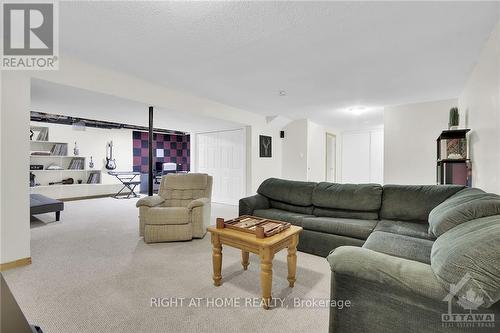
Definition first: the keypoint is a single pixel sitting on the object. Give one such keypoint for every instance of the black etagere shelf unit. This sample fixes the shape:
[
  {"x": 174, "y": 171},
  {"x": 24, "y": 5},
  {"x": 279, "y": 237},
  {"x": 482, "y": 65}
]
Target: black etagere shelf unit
[{"x": 453, "y": 163}]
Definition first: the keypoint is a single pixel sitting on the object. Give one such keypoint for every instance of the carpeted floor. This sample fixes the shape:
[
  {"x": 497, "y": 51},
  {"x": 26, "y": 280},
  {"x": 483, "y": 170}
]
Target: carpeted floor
[{"x": 92, "y": 273}]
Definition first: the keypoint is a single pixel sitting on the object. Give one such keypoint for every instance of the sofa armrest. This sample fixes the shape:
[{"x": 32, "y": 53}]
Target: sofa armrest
[
  {"x": 198, "y": 203},
  {"x": 391, "y": 272},
  {"x": 150, "y": 201},
  {"x": 249, "y": 204}
]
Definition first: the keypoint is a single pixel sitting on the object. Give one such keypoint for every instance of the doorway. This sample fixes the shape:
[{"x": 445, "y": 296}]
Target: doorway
[{"x": 331, "y": 158}]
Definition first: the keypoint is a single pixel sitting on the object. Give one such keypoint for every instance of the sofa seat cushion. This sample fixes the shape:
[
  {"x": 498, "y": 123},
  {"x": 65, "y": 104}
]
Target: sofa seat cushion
[
  {"x": 469, "y": 256},
  {"x": 466, "y": 205},
  {"x": 287, "y": 191},
  {"x": 281, "y": 215},
  {"x": 412, "y": 229},
  {"x": 357, "y": 197},
  {"x": 345, "y": 227},
  {"x": 401, "y": 246},
  {"x": 168, "y": 215},
  {"x": 413, "y": 202}
]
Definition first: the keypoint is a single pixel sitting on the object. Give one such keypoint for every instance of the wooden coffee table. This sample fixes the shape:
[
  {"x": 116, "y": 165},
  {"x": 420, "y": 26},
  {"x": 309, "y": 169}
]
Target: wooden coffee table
[{"x": 265, "y": 248}]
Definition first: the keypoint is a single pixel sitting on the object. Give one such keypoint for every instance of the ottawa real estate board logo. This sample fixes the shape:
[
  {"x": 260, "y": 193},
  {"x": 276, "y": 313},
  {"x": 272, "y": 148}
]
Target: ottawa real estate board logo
[
  {"x": 469, "y": 295},
  {"x": 30, "y": 33}
]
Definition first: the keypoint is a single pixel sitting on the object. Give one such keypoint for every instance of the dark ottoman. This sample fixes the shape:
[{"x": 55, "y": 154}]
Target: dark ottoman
[{"x": 40, "y": 204}]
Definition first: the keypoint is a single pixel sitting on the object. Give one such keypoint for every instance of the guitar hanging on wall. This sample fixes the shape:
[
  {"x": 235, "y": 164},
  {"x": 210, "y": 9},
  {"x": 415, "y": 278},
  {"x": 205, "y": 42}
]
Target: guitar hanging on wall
[{"x": 110, "y": 161}]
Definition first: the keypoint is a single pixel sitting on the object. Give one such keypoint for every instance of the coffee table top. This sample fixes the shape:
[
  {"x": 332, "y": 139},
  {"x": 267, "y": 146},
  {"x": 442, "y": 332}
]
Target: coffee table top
[{"x": 252, "y": 239}]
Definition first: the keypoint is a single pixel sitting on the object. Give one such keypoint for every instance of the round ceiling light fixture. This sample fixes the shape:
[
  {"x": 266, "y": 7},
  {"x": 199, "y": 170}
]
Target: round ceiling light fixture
[
  {"x": 361, "y": 110},
  {"x": 358, "y": 110}
]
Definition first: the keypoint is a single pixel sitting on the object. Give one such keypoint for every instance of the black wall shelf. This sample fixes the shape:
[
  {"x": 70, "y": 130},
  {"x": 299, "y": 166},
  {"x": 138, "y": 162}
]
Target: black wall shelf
[{"x": 453, "y": 165}]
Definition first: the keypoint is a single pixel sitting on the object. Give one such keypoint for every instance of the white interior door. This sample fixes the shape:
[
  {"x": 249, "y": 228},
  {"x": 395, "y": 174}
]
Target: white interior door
[
  {"x": 356, "y": 158},
  {"x": 222, "y": 155},
  {"x": 331, "y": 160},
  {"x": 363, "y": 157}
]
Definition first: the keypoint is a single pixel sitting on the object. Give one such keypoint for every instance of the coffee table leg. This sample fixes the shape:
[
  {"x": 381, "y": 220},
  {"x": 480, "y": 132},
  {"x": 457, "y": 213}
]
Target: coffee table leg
[
  {"x": 266, "y": 275},
  {"x": 244, "y": 259},
  {"x": 217, "y": 259},
  {"x": 292, "y": 260}
]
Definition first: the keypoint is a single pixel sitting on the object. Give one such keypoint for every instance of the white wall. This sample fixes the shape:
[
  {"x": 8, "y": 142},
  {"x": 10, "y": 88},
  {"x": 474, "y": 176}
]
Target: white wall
[
  {"x": 295, "y": 150},
  {"x": 14, "y": 180},
  {"x": 479, "y": 104},
  {"x": 92, "y": 142},
  {"x": 263, "y": 167},
  {"x": 316, "y": 152},
  {"x": 410, "y": 133},
  {"x": 331, "y": 169},
  {"x": 304, "y": 151}
]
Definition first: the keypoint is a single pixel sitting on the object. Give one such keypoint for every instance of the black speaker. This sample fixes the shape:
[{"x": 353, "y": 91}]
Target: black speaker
[{"x": 282, "y": 134}]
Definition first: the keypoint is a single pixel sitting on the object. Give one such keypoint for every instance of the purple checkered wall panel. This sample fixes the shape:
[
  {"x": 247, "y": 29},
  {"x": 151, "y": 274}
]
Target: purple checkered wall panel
[{"x": 176, "y": 149}]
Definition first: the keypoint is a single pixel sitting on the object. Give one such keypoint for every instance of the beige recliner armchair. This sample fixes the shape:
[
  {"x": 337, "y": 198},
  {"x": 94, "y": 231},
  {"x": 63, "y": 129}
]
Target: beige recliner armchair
[{"x": 180, "y": 212}]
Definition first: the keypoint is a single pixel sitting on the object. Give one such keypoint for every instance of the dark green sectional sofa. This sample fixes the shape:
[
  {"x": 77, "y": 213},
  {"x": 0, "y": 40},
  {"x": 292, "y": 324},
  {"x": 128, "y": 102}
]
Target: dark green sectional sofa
[
  {"x": 334, "y": 215},
  {"x": 409, "y": 258}
]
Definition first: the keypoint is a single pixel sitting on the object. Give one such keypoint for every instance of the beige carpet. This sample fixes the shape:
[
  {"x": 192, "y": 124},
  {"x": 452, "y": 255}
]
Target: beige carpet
[{"x": 92, "y": 273}]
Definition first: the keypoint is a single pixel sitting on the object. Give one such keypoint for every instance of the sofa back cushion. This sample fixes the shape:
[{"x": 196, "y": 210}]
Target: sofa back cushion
[
  {"x": 291, "y": 208},
  {"x": 467, "y": 256},
  {"x": 413, "y": 202},
  {"x": 466, "y": 205},
  {"x": 353, "y": 197},
  {"x": 287, "y": 191},
  {"x": 346, "y": 214}
]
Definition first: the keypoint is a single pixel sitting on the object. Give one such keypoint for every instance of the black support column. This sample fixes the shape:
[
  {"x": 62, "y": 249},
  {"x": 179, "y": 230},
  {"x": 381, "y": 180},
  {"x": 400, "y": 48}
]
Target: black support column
[{"x": 150, "y": 153}]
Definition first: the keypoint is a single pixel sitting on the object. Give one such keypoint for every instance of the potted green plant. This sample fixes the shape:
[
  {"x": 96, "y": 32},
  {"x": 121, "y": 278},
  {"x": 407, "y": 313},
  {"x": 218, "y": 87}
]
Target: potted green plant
[{"x": 454, "y": 119}]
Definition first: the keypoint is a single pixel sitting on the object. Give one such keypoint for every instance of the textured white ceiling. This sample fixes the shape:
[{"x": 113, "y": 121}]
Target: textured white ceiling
[{"x": 327, "y": 56}]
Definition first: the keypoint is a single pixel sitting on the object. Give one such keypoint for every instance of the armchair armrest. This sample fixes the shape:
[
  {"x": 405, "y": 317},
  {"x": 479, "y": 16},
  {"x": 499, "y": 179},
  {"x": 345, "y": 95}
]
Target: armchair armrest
[
  {"x": 150, "y": 201},
  {"x": 389, "y": 271},
  {"x": 200, "y": 216},
  {"x": 249, "y": 204},
  {"x": 198, "y": 203}
]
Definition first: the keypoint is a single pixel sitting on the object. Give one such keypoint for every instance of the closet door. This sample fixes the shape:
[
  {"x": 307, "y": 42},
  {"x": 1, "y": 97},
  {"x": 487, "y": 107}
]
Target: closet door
[
  {"x": 363, "y": 157},
  {"x": 356, "y": 158},
  {"x": 222, "y": 155}
]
